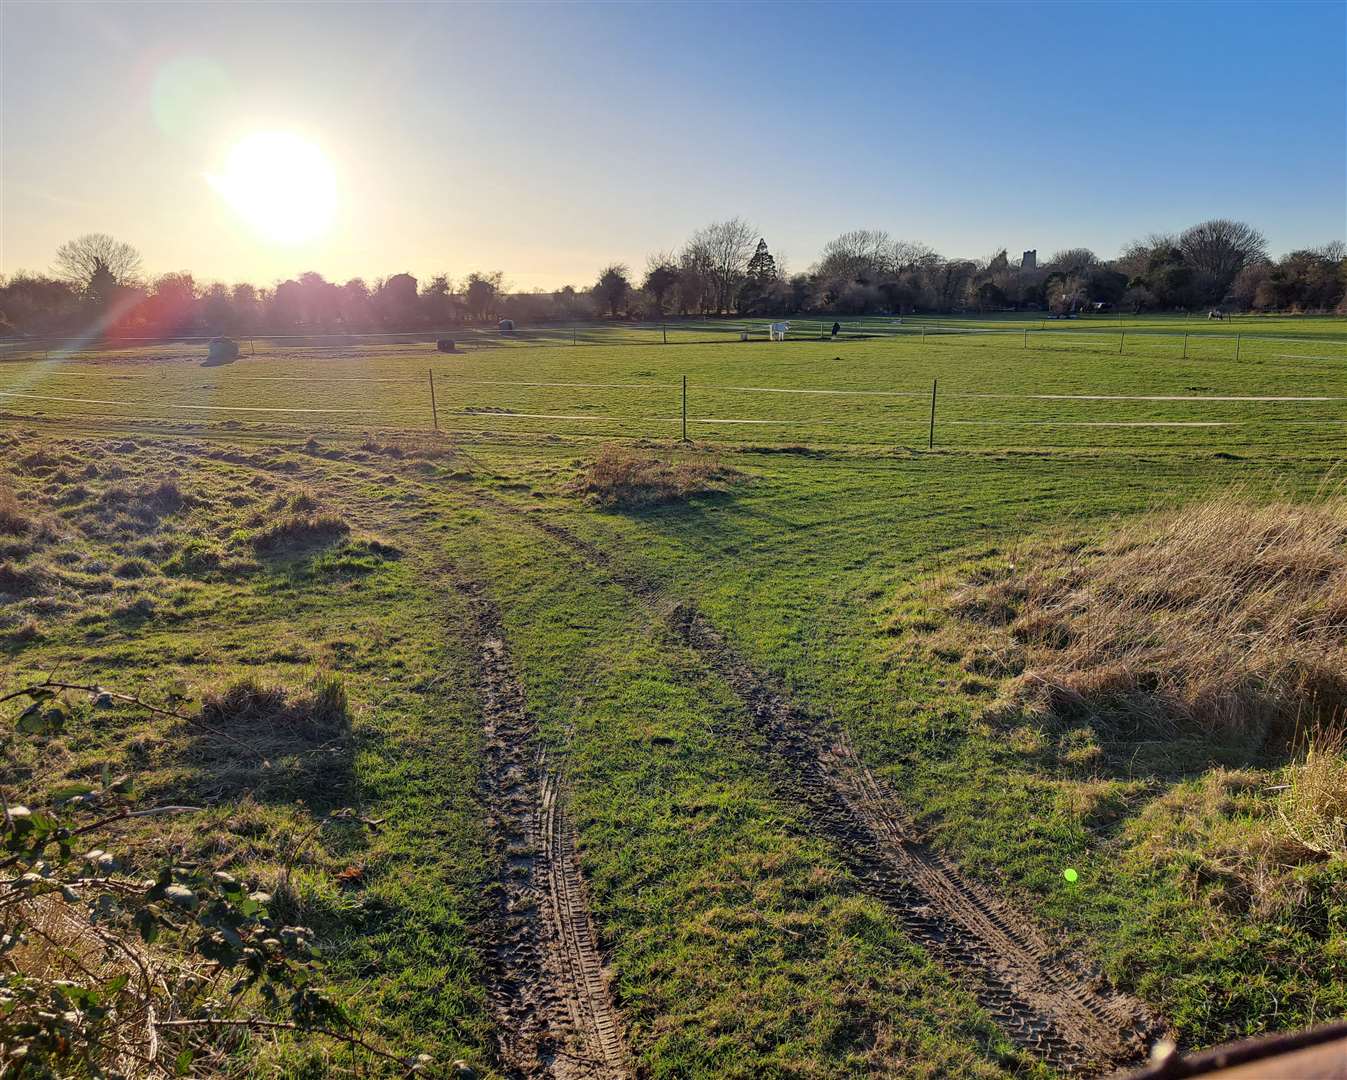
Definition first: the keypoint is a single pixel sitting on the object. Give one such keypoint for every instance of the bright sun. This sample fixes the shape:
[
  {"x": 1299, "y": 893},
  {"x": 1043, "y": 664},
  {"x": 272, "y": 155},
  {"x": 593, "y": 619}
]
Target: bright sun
[{"x": 281, "y": 184}]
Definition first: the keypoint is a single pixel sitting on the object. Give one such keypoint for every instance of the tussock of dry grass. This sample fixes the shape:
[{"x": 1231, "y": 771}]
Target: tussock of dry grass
[
  {"x": 1313, "y": 806},
  {"x": 13, "y": 521},
  {"x": 1229, "y": 615},
  {"x": 620, "y": 477},
  {"x": 302, "y": 735},
  {"x": 164, "y": 497},
  {"x": 411, "y": 447},
  {"x": 302, "y": 502},
  {"x": 297, "y": 531},
  {"x": 318, "y": 714},
  {"x": 28, "y": 630},
  {"x": 18, "y": 580}
]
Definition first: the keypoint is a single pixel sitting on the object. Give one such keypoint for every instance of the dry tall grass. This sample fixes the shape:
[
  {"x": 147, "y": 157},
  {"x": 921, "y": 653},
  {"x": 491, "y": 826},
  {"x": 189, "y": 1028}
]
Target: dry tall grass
[
  {"x": 299, "y": 531},
  {"x": 62, "y": 947},
  {"x": 13, "y": 521},
  {"x": 1313, "y": 806},
  {"x": 1230, "y": 615},
  {"x": 621, "y": 477},
  {"x": 317, "y": 715},
  {"x": 301, "y": 742}
]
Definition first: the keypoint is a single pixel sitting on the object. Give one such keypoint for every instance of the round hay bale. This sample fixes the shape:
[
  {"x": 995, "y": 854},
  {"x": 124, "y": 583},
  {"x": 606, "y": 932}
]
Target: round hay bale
[
  {"x": 446, "y": 344},
  {"x": 223, "y": 348}
]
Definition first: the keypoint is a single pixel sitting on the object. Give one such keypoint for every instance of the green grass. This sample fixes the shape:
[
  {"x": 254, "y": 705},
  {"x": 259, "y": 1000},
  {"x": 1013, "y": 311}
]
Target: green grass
[
  {"x": 740, "y": 946},
  {"x": 738, "y": 943},
  {"x": 178, "y": 602},
  {"x": 808, "y": 569},
  {"x": 994, "y": 391}
]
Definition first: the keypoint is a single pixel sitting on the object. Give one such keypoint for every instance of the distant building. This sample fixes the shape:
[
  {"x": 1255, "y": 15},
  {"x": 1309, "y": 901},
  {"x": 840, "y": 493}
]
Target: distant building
[{"x": 1029, "y": 260}]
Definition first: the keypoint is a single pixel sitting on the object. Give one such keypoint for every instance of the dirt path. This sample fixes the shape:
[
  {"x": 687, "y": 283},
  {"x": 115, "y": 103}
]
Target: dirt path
[
  {"x": 1052, "y": 1004},
  {"x": 549, "y": 987}
]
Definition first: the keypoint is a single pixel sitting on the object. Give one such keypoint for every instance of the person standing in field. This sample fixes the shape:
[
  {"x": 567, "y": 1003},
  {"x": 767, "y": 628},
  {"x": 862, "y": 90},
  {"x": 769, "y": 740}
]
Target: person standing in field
[{"x": 837, "y": 328}]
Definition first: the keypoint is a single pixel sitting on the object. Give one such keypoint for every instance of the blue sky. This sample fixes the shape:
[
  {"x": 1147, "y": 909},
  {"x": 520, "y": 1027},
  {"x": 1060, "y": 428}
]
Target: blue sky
[{"x": 546, "y": 140}]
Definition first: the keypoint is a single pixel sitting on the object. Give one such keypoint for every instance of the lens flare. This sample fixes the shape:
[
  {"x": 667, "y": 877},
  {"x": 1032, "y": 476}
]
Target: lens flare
[
  {"x": 281, "y": 185},
  {"x": 188, "y": 95}
]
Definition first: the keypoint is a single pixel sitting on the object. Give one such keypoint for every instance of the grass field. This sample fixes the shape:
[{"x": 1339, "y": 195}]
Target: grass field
[
  {"x": 740, "y": 937},
  {"x": 1063, "y": 389}
]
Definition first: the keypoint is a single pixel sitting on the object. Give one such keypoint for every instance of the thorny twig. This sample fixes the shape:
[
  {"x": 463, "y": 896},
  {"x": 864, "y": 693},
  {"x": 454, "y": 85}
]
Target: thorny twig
[
  {"x": 112, "y": 819},
  {"x": 157, "y": 710},
  {"x": 255, "y": 1024}
]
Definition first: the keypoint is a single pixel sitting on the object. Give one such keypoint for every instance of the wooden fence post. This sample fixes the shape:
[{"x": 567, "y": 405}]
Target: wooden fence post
[
  {"x": 1236, "y": 346},
  {"x": 930, "y": 441},
  {"x": 434, "y": 412}
]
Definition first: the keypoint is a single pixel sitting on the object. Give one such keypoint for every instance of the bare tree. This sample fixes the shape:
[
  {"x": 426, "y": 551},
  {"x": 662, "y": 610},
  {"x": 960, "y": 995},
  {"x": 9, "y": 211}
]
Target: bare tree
[
  {"x": 1067, "y": 294},
  {"x": 907, "y": 255},
  {"x": 728, "y": 246},
  {"x": 873, "y": 257},
  {"x": 1142, "y": 255},
  {"x": 1334, "y": 251},
  {"x": 97, "y": 256},
  {"x": 612, "y": 287},
  {"x": 481, "y": 291},
  {"x": 661, "y": 277},
  {"x": 660, "y": 258},
  {"x": 437, "y": 300},
  {"x": 1252, "y": 287},
  {"x": 1073, "y": 260},
  {"x": 243, "y": 299},
  {"x": 858, "y": 255},
  {"x": 695, "y": 288},
  {"x": 950, "y": 280},
  {"x": 1219, "y": 249}
]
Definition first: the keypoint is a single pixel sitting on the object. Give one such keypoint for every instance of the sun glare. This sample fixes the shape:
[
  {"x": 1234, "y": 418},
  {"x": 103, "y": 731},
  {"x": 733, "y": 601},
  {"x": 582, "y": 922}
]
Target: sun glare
[{"x": 281, "y": 185}]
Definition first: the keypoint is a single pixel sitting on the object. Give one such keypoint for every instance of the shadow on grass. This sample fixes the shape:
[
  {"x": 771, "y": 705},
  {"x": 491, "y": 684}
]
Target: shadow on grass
[
  {"x": 692, "y": 509},
  {"x": 296, "y": 746}
]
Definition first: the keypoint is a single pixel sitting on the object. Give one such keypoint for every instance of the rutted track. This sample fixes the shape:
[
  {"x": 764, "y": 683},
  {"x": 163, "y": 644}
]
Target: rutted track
[
  {"x": 549, "y": 987},
  {"x": 1053, "y": 1005}
]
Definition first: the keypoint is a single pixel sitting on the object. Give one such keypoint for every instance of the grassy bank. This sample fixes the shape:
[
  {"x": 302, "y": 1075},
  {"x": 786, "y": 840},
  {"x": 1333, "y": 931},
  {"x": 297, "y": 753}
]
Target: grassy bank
[{"x": 738, "y": 941}]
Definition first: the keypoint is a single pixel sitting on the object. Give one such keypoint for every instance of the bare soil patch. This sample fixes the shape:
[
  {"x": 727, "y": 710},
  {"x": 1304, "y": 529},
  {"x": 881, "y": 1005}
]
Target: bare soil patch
[{"x": 550, "y": 987}]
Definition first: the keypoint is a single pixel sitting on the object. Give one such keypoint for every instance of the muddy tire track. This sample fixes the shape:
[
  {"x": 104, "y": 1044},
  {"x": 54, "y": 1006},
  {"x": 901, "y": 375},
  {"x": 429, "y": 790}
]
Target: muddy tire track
[
  {"x": 548, "y": 984},
  {"x": 1056, "y": 1006}
]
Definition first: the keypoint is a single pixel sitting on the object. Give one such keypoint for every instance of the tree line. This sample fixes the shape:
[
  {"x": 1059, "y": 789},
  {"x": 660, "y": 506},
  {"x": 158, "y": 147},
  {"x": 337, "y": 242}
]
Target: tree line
[{"x": 96, "y": 286}]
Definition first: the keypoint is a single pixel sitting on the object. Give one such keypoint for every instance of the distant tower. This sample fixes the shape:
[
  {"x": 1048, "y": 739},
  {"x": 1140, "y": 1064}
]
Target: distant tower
[{"x": 1029, "y": 261}]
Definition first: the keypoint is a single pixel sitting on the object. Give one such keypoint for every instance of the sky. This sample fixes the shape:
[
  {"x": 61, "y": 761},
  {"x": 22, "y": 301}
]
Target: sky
[{"x": 547, "y": 140}]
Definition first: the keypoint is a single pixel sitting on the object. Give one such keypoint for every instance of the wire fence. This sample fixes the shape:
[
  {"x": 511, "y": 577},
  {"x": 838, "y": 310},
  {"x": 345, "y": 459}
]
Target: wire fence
[
  {"x": 683, "y": 408},
  {"x": 398, "y": 381},
  {"x": 1191, "y": 344}
]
